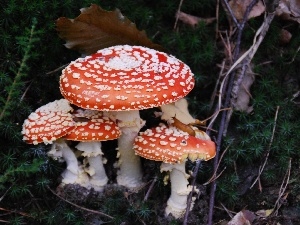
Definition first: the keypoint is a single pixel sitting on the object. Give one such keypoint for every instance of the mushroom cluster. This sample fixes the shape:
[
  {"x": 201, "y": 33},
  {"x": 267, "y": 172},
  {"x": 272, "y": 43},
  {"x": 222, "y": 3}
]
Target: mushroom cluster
[
  {"x": 57, "y": 122},
  {"x": 108, "y": 89},
  {"x": 121, "y": 80}
]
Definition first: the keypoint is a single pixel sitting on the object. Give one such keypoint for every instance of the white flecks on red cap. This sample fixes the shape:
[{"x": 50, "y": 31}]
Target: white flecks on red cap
[
  {"x": 171, "y": 145},
  {"x": 93, "y": 127},
  {"x": 48, "y": 123},
  {"x": 126, "y": 78}
]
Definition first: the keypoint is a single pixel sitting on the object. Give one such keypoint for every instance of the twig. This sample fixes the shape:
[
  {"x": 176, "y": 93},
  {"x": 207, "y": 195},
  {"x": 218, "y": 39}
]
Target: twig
[
  {"x": 214, "y": 94},
  {"x": 217, "y": 18},
  {"x": 231, "y": 13},
  {"x": 294, "y": 56},
  {"x": 5, "y": 193},
  {"x": 150, "y": 188},
  {"x": 189, "y": 199},
  {"x": 228, "y": 212},
  {"x": 227, "y": 95},
  {"x": 232, "y": 212},
  {"x": 80, "y": 207},
  {"x": 25, "y": 92},
  {"x": 15, "y": 211},
  {"x": 57, "y": 69},
  {"x": 261, "y": 168},
  {"x": 176, "y": 20},
  {"x": 214, "y": 176},
  {"x": 282, "y": 189}
]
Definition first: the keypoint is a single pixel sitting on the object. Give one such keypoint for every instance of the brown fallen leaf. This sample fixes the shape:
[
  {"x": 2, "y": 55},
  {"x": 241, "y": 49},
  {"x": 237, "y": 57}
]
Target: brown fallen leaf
[
  {"x": 241, "y": 95},
  {"x": 284, "y": 37},
  {"x": 289, "y": 10},
  {"x": 193, "y": 20},
  {"x": 244, "y": 217},
  {"x": 239, "y": 8},
  {"x": 96, "y": 28}
]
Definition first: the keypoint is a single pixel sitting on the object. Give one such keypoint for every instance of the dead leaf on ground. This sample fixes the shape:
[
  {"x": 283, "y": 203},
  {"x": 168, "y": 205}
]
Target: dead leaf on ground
[
  {"x": 289, "y": 10},
  {"x": 193, "y": 20},
  {"x": 239, "y": 8},
  {"x": 241, "y": 94},
  {"x": 284, "y": 37},
  {"x": 244, "y": 217},
  {"x": 96, "y": 28}
]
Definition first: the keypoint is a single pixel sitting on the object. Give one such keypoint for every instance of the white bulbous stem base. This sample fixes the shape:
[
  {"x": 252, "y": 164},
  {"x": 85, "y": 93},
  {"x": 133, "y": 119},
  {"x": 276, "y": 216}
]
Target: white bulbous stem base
[
  {"x": 71, "y": 173},
  {"x": 130, "y": 170},
  {"x": 177, "y": 202},
  {"x": 93, "y": 153}
]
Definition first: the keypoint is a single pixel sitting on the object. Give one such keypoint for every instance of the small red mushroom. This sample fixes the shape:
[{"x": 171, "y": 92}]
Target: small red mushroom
[
  {"x": 173, "y": 146},
  {"x": 93, "y": 129},
  {"x": 48, "y": 124}
]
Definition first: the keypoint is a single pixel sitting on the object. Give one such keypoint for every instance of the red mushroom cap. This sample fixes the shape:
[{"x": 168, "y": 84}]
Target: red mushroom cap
[
  {"x": 125, "y": 77},
  {"x": 95, "y": 127},
  {"x": 48, "y": 123},
  {"x": 171, "y": 145}
]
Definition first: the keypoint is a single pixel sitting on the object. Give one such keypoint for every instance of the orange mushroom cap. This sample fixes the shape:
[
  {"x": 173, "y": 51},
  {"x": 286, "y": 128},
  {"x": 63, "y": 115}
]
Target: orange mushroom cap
[
  {"x": 48, "y": 123},
  {"x": 171, "y": 145},
  {"x": 96, "y": 127},
  {"x": 125, "y": 77}
]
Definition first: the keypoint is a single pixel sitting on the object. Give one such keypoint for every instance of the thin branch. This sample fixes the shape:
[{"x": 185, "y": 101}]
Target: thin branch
[
  {"x": 150, "y": 188},
  {"x": 80, "y": 207},
  {"x": 15, "y": 211},
  {"x": 215, "y": 176},
  {"x": 189, "y": 199},
  {"x": 176, "y": 20},
  {"x": 227, "y": 210},
  {"x": 217, "y": 18},
  {"x": 5, "y": 193},
  {"x": 294, "y": 56},
  {"x": 282, "y": 189},
  {"x": 262, "y": 167},
  {"x": 224, "y": 120},
  {"x": 231, "y": 13},
  {"x": 214, "y": 93},
  {"x": 57, "y": 69}
]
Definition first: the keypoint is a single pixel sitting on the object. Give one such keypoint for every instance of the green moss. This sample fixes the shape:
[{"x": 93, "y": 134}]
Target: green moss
[{"x": 31, "y": 52}]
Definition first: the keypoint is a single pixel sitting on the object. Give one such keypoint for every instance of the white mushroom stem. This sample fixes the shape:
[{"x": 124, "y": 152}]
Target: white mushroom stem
[
  {"x": 177, "y": 202},
  {"x": 71, "y": 173},
  {"x": 130, "y": 169},
  {"x": 179, "y": 110},
  {"x": 92, "y": 152}
]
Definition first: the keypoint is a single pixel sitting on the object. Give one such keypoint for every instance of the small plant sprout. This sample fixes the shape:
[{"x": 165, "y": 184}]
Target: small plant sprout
[
  {"x": 92, "y": 128},
  {"x": 173, "y": 147},
  {"x": 122, "y": 80}
]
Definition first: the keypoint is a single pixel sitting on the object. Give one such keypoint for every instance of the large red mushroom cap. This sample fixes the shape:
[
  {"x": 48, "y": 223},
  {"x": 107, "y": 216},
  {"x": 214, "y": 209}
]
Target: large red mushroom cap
[
  {"x": 171, "y": 145},
  {"x": 48, "y": 123},
  {"x": 125, "y": 77},
  {"x": 93, "y": 127}
]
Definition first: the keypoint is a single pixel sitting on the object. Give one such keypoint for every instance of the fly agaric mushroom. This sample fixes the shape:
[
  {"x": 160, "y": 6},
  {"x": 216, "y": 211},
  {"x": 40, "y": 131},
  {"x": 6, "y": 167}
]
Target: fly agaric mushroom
[
  {"x": 91, "y": 129},
  {"x": 47, "y": 125},
  {"x": 173, "y": 146},
  {"x": 122, "y": 80}
]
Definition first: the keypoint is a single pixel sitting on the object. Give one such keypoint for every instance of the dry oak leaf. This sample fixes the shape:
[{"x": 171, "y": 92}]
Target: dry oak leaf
[
  {"x": 244, "y": 217},
  {"x": 239, "y": 8},
  {"x": 96, "y": 28}
]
